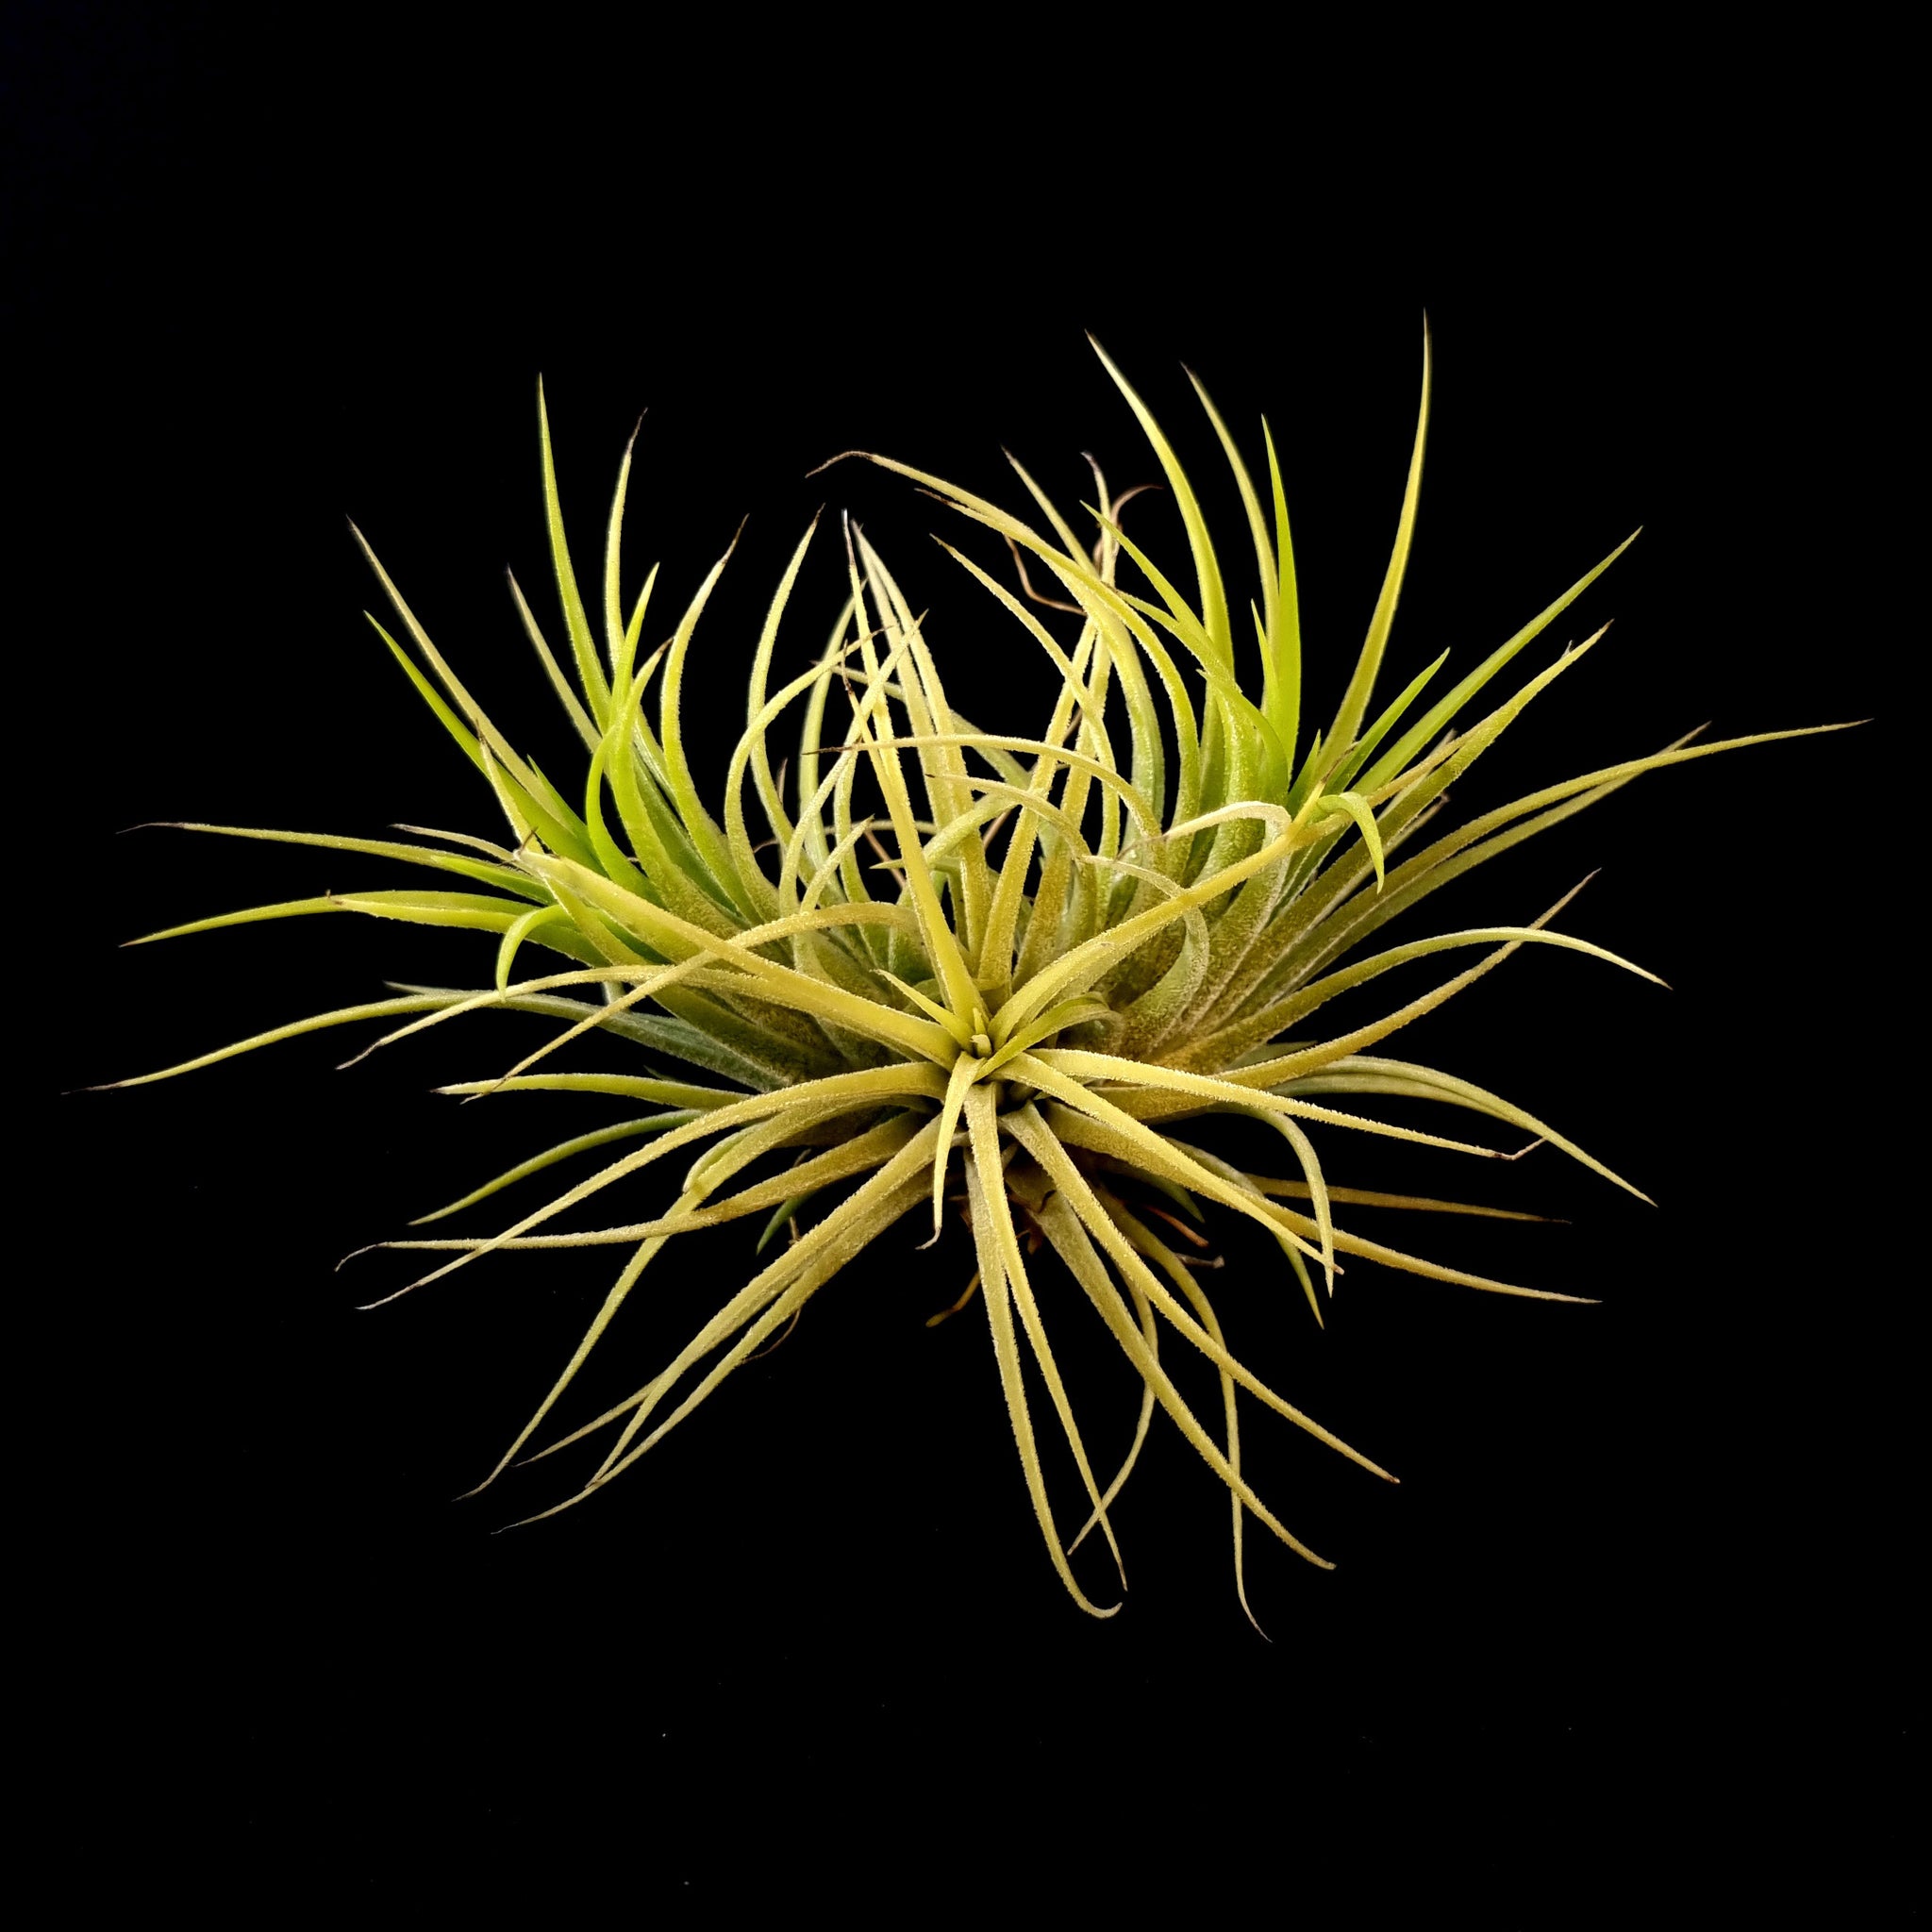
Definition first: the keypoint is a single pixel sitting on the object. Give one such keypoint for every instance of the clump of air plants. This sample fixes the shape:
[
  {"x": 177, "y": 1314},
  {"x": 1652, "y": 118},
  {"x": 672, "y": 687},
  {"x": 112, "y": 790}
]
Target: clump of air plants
[{"x": 968, "y": 965}]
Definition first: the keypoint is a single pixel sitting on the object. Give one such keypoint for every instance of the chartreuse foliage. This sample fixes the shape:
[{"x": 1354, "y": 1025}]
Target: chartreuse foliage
[{"x": 955, "y": 964}]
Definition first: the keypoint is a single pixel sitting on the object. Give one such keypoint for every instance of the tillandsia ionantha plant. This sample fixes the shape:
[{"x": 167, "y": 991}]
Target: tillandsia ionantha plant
[{"x": 961, "y": 966}]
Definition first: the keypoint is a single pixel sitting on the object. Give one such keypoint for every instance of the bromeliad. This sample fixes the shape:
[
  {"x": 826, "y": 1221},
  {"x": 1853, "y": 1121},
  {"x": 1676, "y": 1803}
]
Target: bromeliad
[{"x": 958, "y": 965}]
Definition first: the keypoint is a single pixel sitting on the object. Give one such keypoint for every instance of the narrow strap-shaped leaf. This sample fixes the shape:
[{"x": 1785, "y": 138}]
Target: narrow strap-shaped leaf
[
  {"x": 861, "y": 1217},
  {"x": 1069, "y": 1013},
  {"x": 1083, "y": 1064},
  {"x": 613, "y": 563},
  {"x": 1582, "y": 789},
  {"x": 810, "y": 827},
  {"x": 808, "y": 835},
  {"x": 505, "y": 878},
  {"x": 1356, "y": 807},
  {"x": 1350, "y": 921},
  {"x": 1206, "y": 570},
  {"x": 1069, "y": 1230},
  {"x": 945, "y": 773},
  {"x": 1440, "y": 714},
  {"x": 966, "y": 1069},
  {"x": 1150, "y": 1333},
  {"x": 564, "y": 1150},
  {"x": 1343, "y": 776},
  {"x": 1037, "y": 1136},
  {"x": 1360, "y": 1074},
  {"x": 1099, "y": 770},
  {"x": 343, "y": 1016},
  {"x": 1187, "y": 1163},
  {"x": 985, "y": 1189},
  {"x": 465, "y": 739},
  {"x": 486, "y": 733},
  {"x": 615, "y": 863},
  {"x": 521, "y": 929},
  {"x": 989, "y": 1171},
  {"x": 1369, "y": 1197},
  {"x": 865, "y": 1212},
  {"x": 418, "y": 908},
  {"x": 1282, "y": 688},
  {"x": 1128, "y": 1135},
  {"x": 1361, "y": 685},
  {"x": 525, "y": 803},
  {"x": 760, "y": 716},
  {"x": 698, "y": 823},
  {"x": 1221, "y": 1048},
  {"x": 859, "y": 1153},
  {"x": 1145, "y": 1242},
  {"x": 646, "y": 982},
  {"x": 576, "y": 618},
  {"x": 1308, "y": 900},
  {"x": 960, "y": 1029},
  {"x": 995, "y": 959},
  {"x": 671, "y": 1093},
  {"x": 1311, "y": 998},
  {"x": 572, "y": 704},
  {"x": 1317, "y": 1188},
  {"x": 1264, "y": 551},
  {"x": 779, "y": 983},
  {"x": 662, "y": 1032},
  {"x": 941, "y": 946},
  {"x": 1062, "y": 527},
  {"x": 876, "y": 1084},
  {"x": 1173, "y": 613},
  {"x": 613, "y": 1301},
  {"x": 1285, "y": 1238},
  {"x": 655, "y": 832}
]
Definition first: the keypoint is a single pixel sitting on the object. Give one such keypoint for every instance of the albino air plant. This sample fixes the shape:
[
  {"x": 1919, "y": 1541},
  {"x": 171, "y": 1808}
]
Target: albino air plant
[{"x": 964, "y": 966}]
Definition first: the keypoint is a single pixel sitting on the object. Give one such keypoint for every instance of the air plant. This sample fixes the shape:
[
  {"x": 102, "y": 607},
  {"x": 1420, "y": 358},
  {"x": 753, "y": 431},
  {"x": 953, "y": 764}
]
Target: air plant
[{"x": 962, "y": 967}]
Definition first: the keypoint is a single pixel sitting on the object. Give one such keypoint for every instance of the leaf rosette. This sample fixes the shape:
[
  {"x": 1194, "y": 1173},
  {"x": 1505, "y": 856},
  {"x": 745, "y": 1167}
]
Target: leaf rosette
[{"x": 961, "y": 968}]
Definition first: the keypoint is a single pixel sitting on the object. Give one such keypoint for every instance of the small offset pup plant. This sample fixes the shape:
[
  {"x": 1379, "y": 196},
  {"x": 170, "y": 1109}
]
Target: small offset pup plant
[{"x": 960, "y": 965}]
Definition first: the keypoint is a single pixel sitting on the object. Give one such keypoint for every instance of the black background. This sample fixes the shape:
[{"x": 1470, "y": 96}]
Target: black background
[{"x": 1637, "y": 1617}]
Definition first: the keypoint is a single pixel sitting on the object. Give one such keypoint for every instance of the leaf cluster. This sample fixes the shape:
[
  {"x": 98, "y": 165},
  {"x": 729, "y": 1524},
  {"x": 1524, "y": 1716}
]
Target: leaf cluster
[{"x": 910, "y": 962}]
